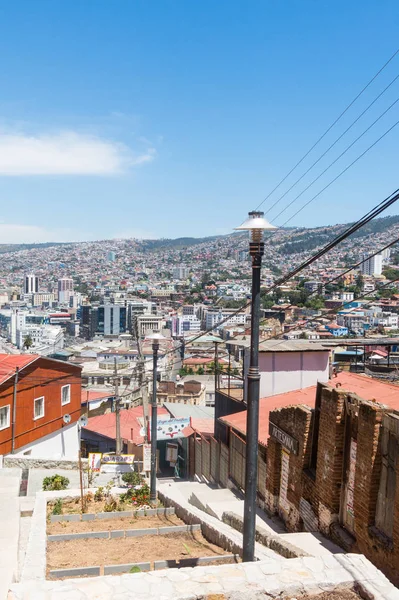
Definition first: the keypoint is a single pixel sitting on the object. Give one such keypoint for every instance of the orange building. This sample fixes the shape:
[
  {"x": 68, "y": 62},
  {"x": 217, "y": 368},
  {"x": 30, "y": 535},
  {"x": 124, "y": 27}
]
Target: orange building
[{"x": 40, "y": 403}]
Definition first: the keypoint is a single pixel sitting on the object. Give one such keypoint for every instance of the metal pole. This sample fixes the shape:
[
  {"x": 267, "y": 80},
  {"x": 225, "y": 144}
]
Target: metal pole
[
  {"x": 229, "y": 371},
  {"x": 118, "y": 444},
  {"x": 14, "y": 411},
  {"x": 216, "y": 361},
  {"x": 251, "y": 460},
  {"x": 153, "y": 479},
  {"x": 80, "y": 470}
]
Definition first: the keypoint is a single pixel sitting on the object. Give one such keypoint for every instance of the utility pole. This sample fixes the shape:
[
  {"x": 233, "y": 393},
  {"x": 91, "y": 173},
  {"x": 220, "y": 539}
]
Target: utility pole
[
  {"x": 118, "y": 448},
  {"x": 14, "y": 410}
]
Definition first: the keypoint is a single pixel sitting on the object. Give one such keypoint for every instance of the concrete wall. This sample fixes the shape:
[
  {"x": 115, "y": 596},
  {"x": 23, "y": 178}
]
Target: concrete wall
[
  {"x": 63, "y": 444},
  {"x": 286, "y": 371}
]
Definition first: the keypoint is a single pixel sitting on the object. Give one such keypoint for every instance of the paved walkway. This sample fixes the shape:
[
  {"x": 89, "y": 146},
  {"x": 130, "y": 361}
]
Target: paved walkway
[
  {"x": 9, "y": 528},
  {"x": 244, "y": 581}
]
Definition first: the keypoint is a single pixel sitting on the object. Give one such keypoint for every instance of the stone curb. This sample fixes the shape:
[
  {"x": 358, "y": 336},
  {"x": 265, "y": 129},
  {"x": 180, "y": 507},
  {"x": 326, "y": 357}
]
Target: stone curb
[
  {"x": 75, "y": 572},
  {"x": 111, "y": 569},
  {"x": 113, "y": 515},
  {"x": 121, "y": 533},
  {"x": 65, "y": 537}
]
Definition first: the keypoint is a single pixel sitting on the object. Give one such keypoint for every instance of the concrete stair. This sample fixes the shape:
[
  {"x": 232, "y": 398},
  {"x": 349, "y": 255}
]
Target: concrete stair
[{"x": 9, "y": 530}]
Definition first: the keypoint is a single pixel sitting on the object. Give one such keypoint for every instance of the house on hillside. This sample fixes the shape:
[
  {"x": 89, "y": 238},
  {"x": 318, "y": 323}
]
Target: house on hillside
[{"x": 40, "y": 404}]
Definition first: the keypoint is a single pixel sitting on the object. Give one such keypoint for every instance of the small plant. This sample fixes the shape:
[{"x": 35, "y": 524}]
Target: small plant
[
  {"x": 89, "y": 497},
  {"x": 111, "y": 505},
  {"x": 57, "y": 508},
  {"x": 99, "y": 494},
  {"x": 135, "y": 569},
  {"x": 187, "y": 549},
  {"x": 55, "y": 483}
]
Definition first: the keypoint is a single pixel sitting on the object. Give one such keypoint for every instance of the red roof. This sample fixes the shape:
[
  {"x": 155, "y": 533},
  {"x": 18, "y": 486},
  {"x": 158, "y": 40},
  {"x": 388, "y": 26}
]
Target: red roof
[
  {"x": 239, "y": 420},
  {"x": 9, "y": 363},
  {"x": 363, "y": 386},
  {"x": 130, "y": 424},
  {"x": 90, "y": 395}
]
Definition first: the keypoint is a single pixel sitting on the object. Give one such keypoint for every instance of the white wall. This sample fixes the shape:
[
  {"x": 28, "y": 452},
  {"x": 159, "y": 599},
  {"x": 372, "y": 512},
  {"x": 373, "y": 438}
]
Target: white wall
[
  {"x": 287, "y": 371},
  {"x": 60, "y": 444}
]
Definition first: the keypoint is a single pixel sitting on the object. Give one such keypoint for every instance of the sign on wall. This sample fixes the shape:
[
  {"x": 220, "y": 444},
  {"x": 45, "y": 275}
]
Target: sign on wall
[
  {"x": 288, "y": 442},
  {"x": 146, "y": 457},
  {"x": 95, "y": 461},
  {"x": 117, "y": 459},
  {"x": 172, "y": 428}
]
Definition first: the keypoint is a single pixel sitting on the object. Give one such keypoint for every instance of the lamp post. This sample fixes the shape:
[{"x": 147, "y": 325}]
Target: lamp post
[
  {"x": 255, "y": 224},
  {"x": 155, "y": 337}
]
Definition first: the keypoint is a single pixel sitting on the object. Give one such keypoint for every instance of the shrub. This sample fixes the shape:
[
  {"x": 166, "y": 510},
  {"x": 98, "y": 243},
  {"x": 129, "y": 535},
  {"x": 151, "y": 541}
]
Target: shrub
[
  {"x": 57, "y": 508},
  {"x": 99, "y": 494},
  {"x": 88, "y": 498},
  {"x": 139, "y": 495},
  {"x": 135, "y": 569},
  {"x": 132, "y": 478},
  {"x": 55, "y": 483}
]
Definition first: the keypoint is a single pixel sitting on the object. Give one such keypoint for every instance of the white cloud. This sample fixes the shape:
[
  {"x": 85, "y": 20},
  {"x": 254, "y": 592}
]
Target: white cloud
[
  {"x": 66, "y": 153},
  {"x": 32, "y": 234}
]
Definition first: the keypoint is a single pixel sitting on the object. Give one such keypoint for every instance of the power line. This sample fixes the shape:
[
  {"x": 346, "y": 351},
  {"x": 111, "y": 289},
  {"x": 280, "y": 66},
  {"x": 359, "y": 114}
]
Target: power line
[
  {"x": 330, "y": 127},
  {"x": 342, "y": 154},
  {"x": 333, "y": 144}
]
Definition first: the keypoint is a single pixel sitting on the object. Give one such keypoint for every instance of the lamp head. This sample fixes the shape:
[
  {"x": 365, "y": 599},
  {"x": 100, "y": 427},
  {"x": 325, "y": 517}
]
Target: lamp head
[{"x": 256, "y": 224}]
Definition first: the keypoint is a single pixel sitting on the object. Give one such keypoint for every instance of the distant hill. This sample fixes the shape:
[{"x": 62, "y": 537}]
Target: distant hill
[
  {"x": 292, "y": 241},
  {"x": 15, "y": 247}
]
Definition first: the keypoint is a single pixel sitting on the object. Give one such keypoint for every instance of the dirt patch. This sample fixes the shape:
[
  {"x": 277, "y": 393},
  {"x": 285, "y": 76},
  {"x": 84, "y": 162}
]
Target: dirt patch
[
  {"x": 336, "y": 595},
  {"x": 94, "y": 552},
  {"x": 71, "y": 507},
  {"x": 113, "y": 524}
]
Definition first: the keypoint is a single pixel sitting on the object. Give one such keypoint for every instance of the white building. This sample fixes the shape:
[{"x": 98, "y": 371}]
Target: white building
[
  {"x": 373, "y": 265},
  {"x": 65, "y": 290},
  {"x": 149, "y": 324},
  {"x": 42, "y": 298},
  {"x": 46, "y": 338},
  {"x": 213, "y": 318},
  {"x": 31, "y": 283},
  {"x": 181, "y": 325},
  {"x": 181, "y": 272}
]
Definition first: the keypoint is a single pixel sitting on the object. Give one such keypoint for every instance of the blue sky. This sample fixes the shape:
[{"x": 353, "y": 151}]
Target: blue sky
[{"x": 170, "y": 118}]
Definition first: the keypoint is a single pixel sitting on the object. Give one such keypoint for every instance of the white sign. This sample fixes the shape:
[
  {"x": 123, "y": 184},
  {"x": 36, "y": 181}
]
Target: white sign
[
  {"x": 117, "y": 459},
  {"x": 171, "y": 453},
  {"x": 172, "y": 428},
  {"x": 95, "y": 461},
  {"x": 146, "y": 457}
]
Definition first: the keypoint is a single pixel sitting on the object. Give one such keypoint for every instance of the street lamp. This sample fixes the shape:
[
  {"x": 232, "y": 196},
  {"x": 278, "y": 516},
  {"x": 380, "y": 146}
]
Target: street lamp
[
  {"x": 155, "y": 337},
  {"x": 255, "y": 224}
]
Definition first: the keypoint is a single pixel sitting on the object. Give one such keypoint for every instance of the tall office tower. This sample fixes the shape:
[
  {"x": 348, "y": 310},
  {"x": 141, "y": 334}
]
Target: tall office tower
[
  {"x": 65, "y": 289},
  {"x": 31, "y": 284},
  {"x": 373, "y": 265}
]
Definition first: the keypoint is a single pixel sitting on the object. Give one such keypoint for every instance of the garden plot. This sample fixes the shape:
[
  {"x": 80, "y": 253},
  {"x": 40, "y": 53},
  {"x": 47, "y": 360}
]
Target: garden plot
[
  {"x": 171, "y": 550},
  {"x": 115, "y": 523}
]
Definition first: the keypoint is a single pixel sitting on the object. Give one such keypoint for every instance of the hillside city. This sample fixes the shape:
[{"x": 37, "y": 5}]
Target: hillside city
[{"x": 199, "y": 300}]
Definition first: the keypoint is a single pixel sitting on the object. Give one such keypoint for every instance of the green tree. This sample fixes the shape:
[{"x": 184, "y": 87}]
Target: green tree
[
  {"x": 390, "y": 273},
  {"x": 200, "y": 371},
  {"x": 28, "y": 342}
]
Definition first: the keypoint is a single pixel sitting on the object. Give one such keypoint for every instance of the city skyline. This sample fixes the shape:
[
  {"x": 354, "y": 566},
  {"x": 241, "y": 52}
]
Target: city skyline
[{"x": 153, "y": 115}]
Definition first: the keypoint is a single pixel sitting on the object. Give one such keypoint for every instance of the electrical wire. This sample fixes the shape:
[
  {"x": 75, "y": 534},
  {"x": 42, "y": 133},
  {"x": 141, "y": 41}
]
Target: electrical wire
[
  {"x": 329, "y": 128},
  {"x": 337, "y": 159},
  {"x": 334, "y": 143}
]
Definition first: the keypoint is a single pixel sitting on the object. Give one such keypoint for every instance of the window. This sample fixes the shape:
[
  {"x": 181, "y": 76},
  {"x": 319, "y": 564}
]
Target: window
[
  {"x": 5, "y": 417},
  {"x": 65, "y": 394},
  {"x": 38, "y": 409}
]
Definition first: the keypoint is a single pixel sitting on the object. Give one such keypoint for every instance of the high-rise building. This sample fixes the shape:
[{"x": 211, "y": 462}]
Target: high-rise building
[
  {"x": 373, "y": 265},
  {"x": 181, "y": 272},
  {"x": 31, "y": 284},
  {"x": 111, "y": 319},
  {"x": 65, "y": 289},
  {"x": 111, "y": 256}
]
